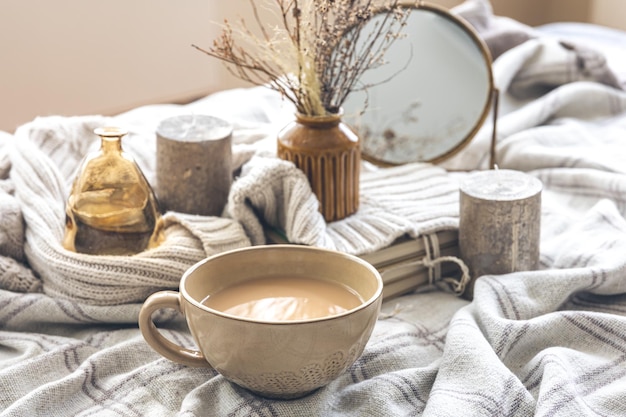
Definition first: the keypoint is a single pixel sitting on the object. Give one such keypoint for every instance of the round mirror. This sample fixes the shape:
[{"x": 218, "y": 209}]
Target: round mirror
[{"x": 438, "y": 94}]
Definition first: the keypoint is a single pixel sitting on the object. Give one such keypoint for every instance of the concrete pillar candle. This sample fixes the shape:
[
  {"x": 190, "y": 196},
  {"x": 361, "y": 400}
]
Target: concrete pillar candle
[
  {"x": 499, "y": 224},
  {"x": 194, "y": 164}
]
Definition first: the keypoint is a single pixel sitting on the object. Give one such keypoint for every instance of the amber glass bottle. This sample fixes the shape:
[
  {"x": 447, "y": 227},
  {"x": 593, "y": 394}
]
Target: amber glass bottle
[{"x": 111, "y": 210}]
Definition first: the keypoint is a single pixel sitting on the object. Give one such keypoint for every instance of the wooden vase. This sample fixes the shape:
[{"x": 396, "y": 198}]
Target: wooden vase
[{"x": 329, "y": 153}]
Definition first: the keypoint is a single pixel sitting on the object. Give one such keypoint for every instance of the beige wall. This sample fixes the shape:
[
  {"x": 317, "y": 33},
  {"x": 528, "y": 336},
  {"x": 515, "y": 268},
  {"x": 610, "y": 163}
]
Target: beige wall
[
  {"x": 82, "y": 56},
  {"x": 537, "y": 12},
  {"x": 73, "y": 57},
  {"x": 611, "y": 13}
]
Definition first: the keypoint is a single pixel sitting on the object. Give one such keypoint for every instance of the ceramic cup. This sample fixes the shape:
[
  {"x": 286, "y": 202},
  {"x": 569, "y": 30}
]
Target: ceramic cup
[{"x": 273, "y": 359}]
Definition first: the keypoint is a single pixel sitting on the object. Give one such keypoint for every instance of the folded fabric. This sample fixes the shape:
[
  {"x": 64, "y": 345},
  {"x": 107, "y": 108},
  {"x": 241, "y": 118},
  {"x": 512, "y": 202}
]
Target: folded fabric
[
  {"x": 14, "y": 275},
  {"x": 44, "y": 156},
  {"x": 539, "y": 80},
  {"x": 412, "y": 199},
  {"x": 500, "y": 33},
  {"x": 11, "y": 226}
]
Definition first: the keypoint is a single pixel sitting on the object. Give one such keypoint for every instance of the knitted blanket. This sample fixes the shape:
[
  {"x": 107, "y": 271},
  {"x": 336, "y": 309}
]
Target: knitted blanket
[{"x": 545, "y": 342}]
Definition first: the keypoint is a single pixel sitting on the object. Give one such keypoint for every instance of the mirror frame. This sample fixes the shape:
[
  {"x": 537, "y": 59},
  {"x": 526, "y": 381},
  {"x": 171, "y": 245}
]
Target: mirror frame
[{"x": 492, "y": 93}]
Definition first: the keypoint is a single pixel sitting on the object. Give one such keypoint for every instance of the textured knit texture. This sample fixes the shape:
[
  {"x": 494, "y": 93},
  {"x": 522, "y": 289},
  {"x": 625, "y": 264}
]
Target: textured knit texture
[
  {"x": 45, "y": 155},
  {"x": 547, "y": 343},
  {"x": 414, "y": 199},
  {"x": 14, "y": 275}
]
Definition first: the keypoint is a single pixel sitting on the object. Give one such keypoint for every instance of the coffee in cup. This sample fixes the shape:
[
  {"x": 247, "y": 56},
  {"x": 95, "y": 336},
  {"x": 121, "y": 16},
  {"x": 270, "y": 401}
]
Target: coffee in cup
[
  {"x": 278, "y": 320},
  {"x": 284, "y": 298}
]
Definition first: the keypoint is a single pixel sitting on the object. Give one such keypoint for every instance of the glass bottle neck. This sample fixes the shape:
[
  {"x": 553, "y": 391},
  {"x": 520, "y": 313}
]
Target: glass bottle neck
[
  {"x": 111, "y": 138},
  {"x": 111, "y": 144}
]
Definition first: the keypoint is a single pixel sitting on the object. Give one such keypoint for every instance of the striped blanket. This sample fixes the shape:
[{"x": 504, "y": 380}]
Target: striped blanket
[{"x": 550, "y": 342}]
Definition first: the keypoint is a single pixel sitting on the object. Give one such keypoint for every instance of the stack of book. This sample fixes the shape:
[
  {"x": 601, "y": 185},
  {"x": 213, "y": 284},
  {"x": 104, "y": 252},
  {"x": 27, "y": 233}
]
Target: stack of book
[{"x": 401, "y": 264}]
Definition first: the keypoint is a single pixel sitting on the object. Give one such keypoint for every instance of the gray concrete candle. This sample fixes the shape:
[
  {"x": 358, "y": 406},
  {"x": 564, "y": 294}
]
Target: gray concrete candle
[
  {"x": 499, "y": 224},
  {"x": 194, "y": 164}
]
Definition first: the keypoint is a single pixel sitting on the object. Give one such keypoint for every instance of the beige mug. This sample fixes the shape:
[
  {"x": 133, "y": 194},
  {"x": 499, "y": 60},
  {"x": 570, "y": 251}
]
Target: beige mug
[{"x": 286, "y": 359}]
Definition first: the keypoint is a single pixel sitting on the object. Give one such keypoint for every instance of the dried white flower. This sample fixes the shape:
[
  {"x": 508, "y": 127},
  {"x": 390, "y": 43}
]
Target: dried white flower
[{"x": 317, "y": 56}]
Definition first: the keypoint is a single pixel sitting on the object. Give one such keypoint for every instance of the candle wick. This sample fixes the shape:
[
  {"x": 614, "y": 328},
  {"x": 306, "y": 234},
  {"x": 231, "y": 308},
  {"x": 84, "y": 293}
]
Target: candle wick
[{"x": 498, "y": 175}]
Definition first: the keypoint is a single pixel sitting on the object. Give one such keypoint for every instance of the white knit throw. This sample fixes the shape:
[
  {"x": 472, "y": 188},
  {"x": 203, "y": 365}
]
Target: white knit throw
[
  {"x": 414, "y": 199},
  {"x": 44, "y": 154}
]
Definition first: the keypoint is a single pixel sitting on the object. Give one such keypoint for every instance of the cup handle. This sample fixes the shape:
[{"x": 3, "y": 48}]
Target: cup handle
[{"x": 170, "y": 350}]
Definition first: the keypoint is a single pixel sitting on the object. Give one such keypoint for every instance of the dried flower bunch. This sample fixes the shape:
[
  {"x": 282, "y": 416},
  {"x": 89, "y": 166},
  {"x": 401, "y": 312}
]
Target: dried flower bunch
[{"x": 316, "y": 54}]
